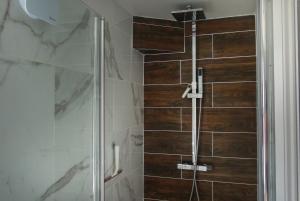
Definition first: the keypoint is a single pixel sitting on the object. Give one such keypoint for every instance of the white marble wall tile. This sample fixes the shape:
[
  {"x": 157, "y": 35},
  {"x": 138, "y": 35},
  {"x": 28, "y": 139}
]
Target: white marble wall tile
[
  {"x": 73, "y": 99},
  {"x": 112, "y": 64},
  {"x": 26, "y": 128},
  {"x": 108, "y": 191},
  {"x": 124, "y": 95},
  {"x": 56, "y": 98},
  {"x": 19, "y": 33},
  {"x": 137, "y": 182},
  {"x": 137, "y": 68},
  {"x": 113, "y": 12},
  {"x": 45, "y": 106},
  {"x": 137, "y": 147}
]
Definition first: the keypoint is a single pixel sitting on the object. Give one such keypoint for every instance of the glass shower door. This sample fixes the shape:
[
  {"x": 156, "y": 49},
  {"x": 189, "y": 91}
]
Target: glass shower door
[{"x": 48, "y": 96}]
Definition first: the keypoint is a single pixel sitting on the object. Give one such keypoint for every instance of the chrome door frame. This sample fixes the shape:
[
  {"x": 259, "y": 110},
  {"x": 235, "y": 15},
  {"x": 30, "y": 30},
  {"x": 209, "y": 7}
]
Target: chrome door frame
[
  {"x": 277, "y": 100},
  {"x": 265, "y": 88},
  {"x": 98, "y": 109}
]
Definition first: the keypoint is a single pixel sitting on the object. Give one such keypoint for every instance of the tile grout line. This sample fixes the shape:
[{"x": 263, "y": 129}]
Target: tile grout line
[
  {"x": 203, "y": 156},
  {"x": 212, "y": 191},
  {"x": 181, "y": 127},
  {"x": 180, "y": 68},
  {"x": 201, "y": 107},
  {"x": 212, "y": 46},
  {"x": 241, "y": 132},
  {"x": 181, "y": 169},
  {"x": 222, "y": 33},
  {"x": 203, "y": 180},
  {"x": 212, "y": 144},
  {"x": 212, "y": 95},
  {"x": 184, "y": 34},
  {"x": 154, "y": 199},
  {"x": 157, "y": 25},
  {"x": 203, "y": 59},
  {"x": 225, "y": 17},
  {"x": 229, "y": 82}
]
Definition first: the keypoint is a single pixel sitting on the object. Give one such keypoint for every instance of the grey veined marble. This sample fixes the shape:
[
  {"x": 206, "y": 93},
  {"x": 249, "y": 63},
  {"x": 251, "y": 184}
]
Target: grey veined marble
[
  {"x": 67, "y": 44},
  {"x": 71, "y": 87},
  {"x": 65, "y": 179},
  {"x": 46, "y": 105}
]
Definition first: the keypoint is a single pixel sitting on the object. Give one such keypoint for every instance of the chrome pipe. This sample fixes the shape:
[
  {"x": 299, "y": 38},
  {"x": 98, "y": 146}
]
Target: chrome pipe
[{"x": 194, "y": 88}]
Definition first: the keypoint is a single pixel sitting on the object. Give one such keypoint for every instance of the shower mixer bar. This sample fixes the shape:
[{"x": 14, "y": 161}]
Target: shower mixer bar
[{"x": 194, "y": 91}]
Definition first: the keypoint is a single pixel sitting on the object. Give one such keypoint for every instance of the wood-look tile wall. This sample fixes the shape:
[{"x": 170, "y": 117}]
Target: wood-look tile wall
[
  {"x": 226, "y": 52},
  {"x": 157, "y": 36}
]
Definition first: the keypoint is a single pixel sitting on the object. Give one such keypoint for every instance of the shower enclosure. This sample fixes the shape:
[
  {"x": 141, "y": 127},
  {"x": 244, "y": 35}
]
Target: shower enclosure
[{"x": 50, "y": 100}]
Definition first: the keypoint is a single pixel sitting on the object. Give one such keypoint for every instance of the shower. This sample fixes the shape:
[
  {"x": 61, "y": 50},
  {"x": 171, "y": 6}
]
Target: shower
[{"x": 194, "y": 91}]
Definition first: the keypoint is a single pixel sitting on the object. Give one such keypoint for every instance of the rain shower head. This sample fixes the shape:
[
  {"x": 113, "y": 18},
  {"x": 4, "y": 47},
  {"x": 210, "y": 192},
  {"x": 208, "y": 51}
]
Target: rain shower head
[{"x": 187, "y": 15}]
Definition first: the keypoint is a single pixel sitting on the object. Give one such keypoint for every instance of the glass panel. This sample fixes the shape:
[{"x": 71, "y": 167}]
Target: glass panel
[{"x": 46, "y": 104}]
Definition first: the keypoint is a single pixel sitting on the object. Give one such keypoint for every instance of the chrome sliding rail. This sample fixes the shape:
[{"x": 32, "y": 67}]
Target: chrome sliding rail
[
  {"x": 98, "y": 111},
  {"x": 102, "y": 109}
]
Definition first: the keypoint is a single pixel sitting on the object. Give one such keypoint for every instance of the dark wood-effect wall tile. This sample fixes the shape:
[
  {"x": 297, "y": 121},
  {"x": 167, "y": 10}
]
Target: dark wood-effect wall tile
[
  {"x": 176, "y": 142},
  {"x": 204, "y": 50},
  {"x": 225, "y": 170},
  {"x": 231, "y": 24},
  {"x": 153, "y": 37},
  {"x": 160, "y": 22},
  {"x": 222, "y": 119},
  {"x": 162, "y": 119},
  {"x": 242, "y": 145},
  {"x": 234, "y": 44},
  {"x": 226, "y": 52},
  {"x": 204, "y": 46},
  {"x": 234, "y": 192},
  {"x": 163, "y": 95},
  {"x": 234, "y": 94},
  {"x": 149, "y": 51},
  {"x": 175, "y": 189},
  {"x": 222, "y": 70},
  {"x": 162, "y": 72},
  {"x": 162, "y": 165},
  {"x": 171, "y": 96}
]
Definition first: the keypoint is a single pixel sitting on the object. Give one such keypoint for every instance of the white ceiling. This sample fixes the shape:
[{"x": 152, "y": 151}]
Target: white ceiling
[{"x": 213, "y": 8}]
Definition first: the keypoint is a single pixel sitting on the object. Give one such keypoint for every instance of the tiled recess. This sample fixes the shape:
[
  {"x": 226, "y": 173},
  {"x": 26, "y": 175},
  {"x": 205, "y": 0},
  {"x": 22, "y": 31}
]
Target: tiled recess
[{"x": 226, "y": 52}]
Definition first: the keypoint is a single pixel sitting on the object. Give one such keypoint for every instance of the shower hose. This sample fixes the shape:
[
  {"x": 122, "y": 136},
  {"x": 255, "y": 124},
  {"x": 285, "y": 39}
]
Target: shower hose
[{"x": 195, "y": 185}]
